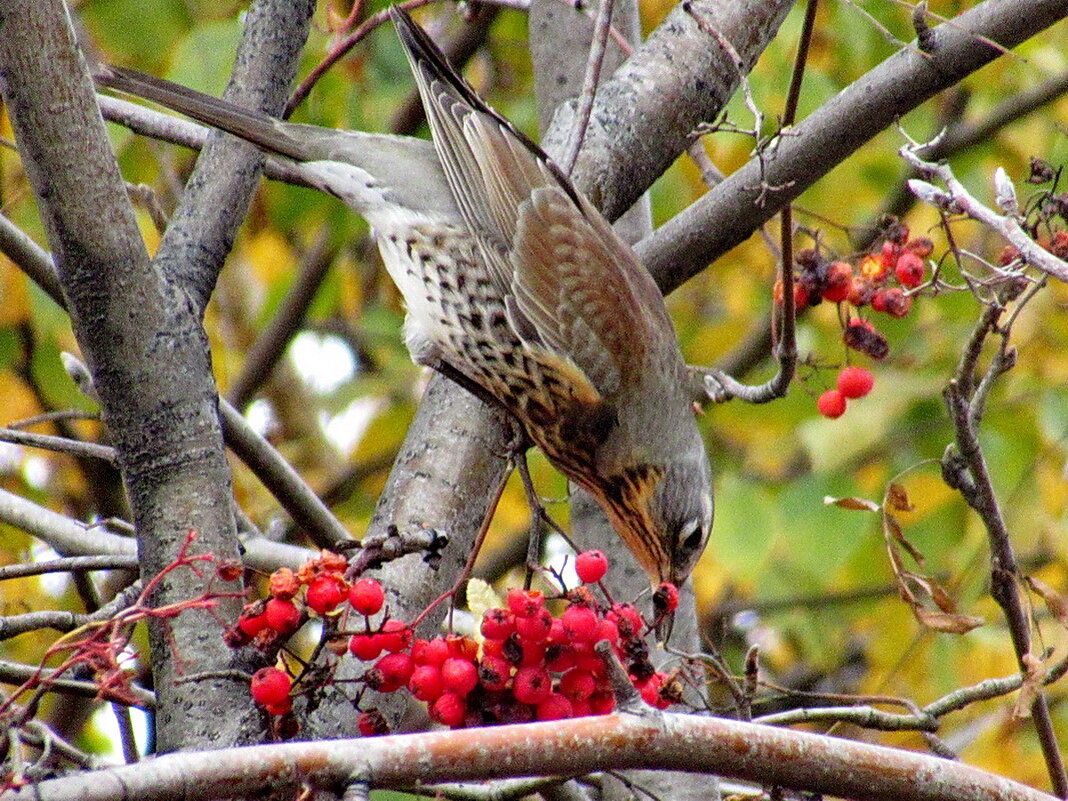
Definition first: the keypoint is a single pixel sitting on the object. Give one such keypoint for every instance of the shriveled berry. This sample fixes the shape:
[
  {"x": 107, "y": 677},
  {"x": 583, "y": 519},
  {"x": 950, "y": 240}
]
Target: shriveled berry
[
  {"x": 909, "y": 270},
  {"x": 426, "y": 683},
  {"x": 855, "y": 382},
  {"x": 555, "y": 707},
  {"x": 922, "y": 246},
  {"x": 591, "y": 566},
  {"x": 896, "y": 303},
  {"x": 372, "y": 723},
  {"x": 365, "y": 646},
  {"x": 448, "y": 710},
  {"x": 872, "y": 268},
  {"x": 391, "y": 672},
  {"x": 325, "y": 593},
  {"x": 395, "y": 636},
  {"x": 366, "y": 596},
  {"x": 525, "y": 603},
  {"x": 270, "y": 686},
  {"x": 497, "y": 624},
  {"x": 459, "y": 675},
  {"x": 888, "y": 253},
  {"x": 860, "y": 335},
  {"x": 282, "y": 616},
  {"x": 284, "y": 584},
  {"x": 535, "y": 627},
  {"x": 831, "y": 403},
  {"x": 532, "y": 685},
  {"x": 580, "y": 623},
  {"x": 494, "y": 672}
]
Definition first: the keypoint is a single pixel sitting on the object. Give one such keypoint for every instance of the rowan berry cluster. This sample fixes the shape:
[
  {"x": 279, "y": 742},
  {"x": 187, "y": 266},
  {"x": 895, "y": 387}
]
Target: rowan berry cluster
[
  {"x": 883, "y": 280},
  {"x": 527, "y": 663}
]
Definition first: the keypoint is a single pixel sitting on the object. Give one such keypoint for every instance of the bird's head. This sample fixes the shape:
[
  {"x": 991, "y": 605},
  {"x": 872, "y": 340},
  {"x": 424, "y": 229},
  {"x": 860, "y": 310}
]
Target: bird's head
[{"x": 664, "y": 514}]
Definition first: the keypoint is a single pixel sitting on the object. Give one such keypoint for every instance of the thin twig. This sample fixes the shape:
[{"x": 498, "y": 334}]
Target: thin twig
[{"x": 601, "y": 26}]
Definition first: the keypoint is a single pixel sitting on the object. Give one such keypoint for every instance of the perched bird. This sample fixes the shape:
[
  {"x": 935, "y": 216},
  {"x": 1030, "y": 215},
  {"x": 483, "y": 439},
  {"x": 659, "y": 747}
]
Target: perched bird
[{"x": 516, "y": 287}]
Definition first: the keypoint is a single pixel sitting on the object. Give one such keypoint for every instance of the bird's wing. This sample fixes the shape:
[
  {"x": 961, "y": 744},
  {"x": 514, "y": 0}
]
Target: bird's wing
[{"x": 573, "y": 286}]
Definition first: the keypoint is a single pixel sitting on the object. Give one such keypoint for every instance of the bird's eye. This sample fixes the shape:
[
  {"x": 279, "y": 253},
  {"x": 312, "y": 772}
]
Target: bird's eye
[{"x": 694, "y": 538}]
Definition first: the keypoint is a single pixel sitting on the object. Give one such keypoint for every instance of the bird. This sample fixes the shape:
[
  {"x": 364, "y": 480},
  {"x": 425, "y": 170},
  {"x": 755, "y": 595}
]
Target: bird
[{"x": 517, "y": 288}]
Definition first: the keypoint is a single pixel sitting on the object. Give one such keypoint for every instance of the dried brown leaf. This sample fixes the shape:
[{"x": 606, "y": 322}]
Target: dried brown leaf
[
  {"x": 1056, "y": 603},
  {"x": 854, "y": 504},
  {"x": 945, "y": 622},
  {"x": 1034, "y": 672},
  {"x": 941, "y": 598},
  {"x": 892, "y": 529},
  {"x": 897, "y": 499}
]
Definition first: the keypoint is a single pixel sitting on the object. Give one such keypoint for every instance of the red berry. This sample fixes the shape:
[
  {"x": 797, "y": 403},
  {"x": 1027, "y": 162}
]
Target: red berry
[
  {"x": 559, "y": 658},
  {"x": 577, "y": 684},
  {"x": 608, "y": 630},
  {"x": 591, "y": 566},
  {"x": 449, "y": 710},
  {"x": 493, "y": 647},
  {"x": 365, "y": 646},
  {"x": 282, "y": 616},
  {"x": 580, "y": 708},
  {"x": 525, "y": 603},
  {"x": 325, "y": 593},
  {"x": 395, "y": 636},
  {"x": 366, "y": 596},
  {"x": 666, "y": 598},
  {"x": 372, "y": 723},
  {"x": 430, "y": 652},
  {"x": 426, "y": 683},
  {"x": 391, "y": 672},
  {"x": 532, "y": 685},
  {"x": 497, "y": 624},
  {"x": 252, "y": 624},
  {"x": 878, "y": 300},
  {"x": 460, "y": 676},
  {"x": 270, "y": 686},
  {"x": 602, "y": 702},
  {"x": 283, "y": 707},
  {"x": 650, "y": 691},
  {"x": 532, "y": 653},
  {"x": 627, "y": 618},
  {"x": 909, "y": 270},
  {"x": 855, "y": 382},
  {"x": 555, "y": 707},
  {"x": 832, "y": 404},
  {"x": 888, "y": 254},
  {"x": 536, "y": 627},
  {"x": 494, "y": 672},
  {"x": 580, "y": 623}
]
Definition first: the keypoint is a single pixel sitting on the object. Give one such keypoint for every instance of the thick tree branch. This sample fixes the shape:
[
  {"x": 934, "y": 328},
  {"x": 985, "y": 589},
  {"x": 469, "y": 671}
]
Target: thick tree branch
[{"x": 746, "y": 751}]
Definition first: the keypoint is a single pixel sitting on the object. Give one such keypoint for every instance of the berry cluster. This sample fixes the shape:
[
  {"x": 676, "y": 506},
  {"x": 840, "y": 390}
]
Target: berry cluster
[
  {"x": 528, "y": 665},
  {"x": 883, "y": 280}
]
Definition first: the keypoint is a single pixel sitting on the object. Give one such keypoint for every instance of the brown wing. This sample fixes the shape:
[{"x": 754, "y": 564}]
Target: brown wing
[{"x": 573, "y": 286}]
